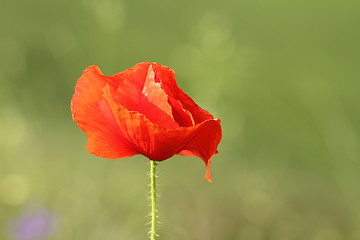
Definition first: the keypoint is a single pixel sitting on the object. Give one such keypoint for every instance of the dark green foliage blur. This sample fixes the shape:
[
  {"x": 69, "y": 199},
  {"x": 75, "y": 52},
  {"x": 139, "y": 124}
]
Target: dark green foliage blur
[{"x": 283, "y": 76}]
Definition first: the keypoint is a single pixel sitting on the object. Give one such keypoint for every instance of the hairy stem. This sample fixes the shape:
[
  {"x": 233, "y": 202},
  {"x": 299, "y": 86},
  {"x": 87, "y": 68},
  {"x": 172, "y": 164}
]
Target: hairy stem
[{"x": 153, "y": 199}]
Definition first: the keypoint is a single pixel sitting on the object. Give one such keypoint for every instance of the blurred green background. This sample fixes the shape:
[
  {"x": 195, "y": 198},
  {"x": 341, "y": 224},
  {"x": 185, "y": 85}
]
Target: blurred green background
[{"x": 283, "y": 76}]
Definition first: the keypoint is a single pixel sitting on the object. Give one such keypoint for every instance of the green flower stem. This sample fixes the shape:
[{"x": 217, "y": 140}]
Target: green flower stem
[{"x": 153, "y": 199}]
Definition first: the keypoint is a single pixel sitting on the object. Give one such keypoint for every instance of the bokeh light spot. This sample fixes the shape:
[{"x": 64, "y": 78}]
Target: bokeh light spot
[
  {"x": 110, "y": 14},
  {"x": 14, "y": 189}
]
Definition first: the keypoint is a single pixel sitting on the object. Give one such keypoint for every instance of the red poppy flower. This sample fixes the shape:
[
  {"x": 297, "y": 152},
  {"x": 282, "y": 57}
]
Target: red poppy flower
[{"x": 142, "y": 111}]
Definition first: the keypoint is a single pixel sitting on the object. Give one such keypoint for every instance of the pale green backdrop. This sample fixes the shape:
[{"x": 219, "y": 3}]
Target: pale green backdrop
[{"x": 283, "y": 76}]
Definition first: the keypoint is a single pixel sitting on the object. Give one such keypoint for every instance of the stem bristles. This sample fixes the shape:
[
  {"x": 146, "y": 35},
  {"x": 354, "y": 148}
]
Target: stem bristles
[{"x": 153, "y": 199}]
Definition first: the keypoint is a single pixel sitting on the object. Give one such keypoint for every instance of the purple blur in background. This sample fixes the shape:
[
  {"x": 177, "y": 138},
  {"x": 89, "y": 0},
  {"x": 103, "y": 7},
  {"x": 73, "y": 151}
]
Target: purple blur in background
[{"x": 33, "y": 224}]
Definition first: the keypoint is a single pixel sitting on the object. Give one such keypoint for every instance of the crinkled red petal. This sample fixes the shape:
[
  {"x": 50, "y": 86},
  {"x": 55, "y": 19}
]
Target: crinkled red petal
[
  {"x": 204, "y": 143},
  {"x": 139, "y": 111},
  {"x": 154, "y": 103},
  {"x": 182, "y": 116},
  {"x": 166, "y": 76},
  {"x": 95, "y": 118},
  {"x": 138, "y": 91},
  {"x": 129, "y": 85},
  {"x": 158, "y": 143}
]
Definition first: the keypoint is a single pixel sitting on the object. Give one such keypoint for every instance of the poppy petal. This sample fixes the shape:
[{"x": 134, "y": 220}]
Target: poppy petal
[
  {"x": 142, "y": 111},
  {"x": 140, "y": 131},
  {"x": 130, "y": 84},
  {"x": 138, "y": 91},
  {"x": 182, "y": 116},
  {"x": 95, "y": 118},
  {"x": 204, "y": 143},
  {"x": 154, "y": 103},
  {"x": 158, "y": 143},
  {"x": 168, "y": 82}
]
